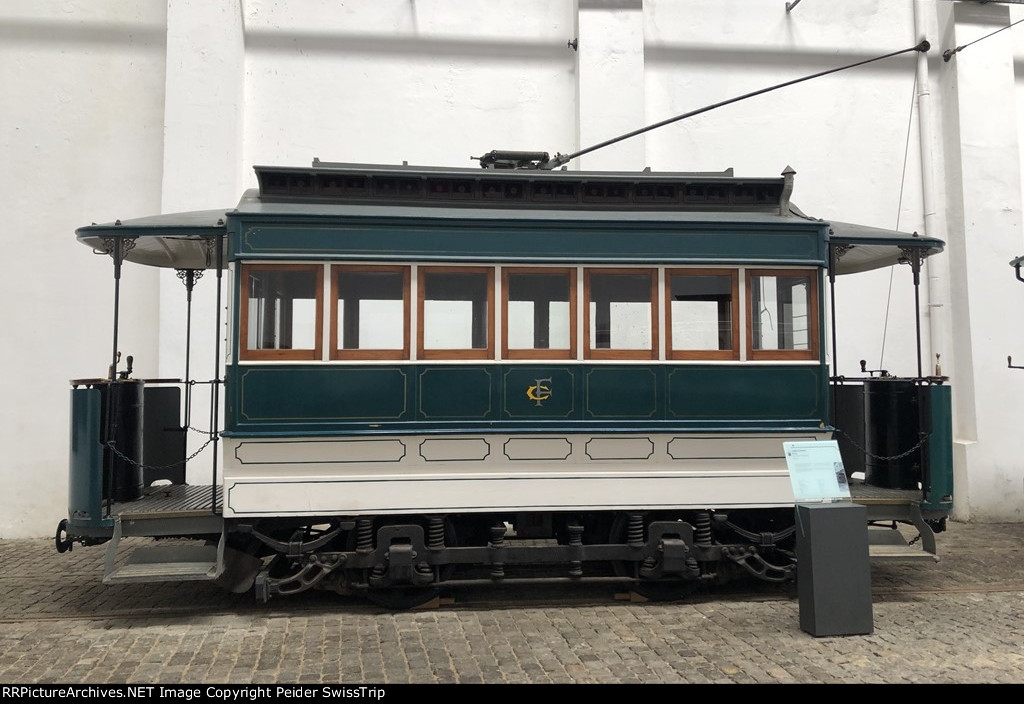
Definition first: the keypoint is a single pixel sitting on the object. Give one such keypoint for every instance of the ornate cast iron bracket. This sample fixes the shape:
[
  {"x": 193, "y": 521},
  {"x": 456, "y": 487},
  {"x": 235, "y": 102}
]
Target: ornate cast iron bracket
[{"x": 189, "y": 277}]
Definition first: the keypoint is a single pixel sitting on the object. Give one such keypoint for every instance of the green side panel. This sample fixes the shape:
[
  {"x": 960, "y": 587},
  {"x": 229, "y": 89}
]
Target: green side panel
[
  {"x": 735, "y": 392},
  {"x": 337, "y": 399},
  {"x": 323, "y": 394},
  {"x": 938, "y": 491},
  {"x": 85, "y": 480},
  {"x": 621, "y": 393},
  {"x": 537, "y": 240},
  {"x": 539, "y": 393},
  {"x": 458, "y": 393}
]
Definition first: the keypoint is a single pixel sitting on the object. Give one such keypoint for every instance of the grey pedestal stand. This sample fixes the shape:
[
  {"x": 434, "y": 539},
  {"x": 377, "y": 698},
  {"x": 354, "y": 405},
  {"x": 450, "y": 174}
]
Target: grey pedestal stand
[{"x": 833, "y": 569}]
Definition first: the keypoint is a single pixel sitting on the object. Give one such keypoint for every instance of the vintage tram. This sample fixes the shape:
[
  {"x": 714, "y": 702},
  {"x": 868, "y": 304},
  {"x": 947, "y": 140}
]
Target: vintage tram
[{"x": 442, "y": 375}]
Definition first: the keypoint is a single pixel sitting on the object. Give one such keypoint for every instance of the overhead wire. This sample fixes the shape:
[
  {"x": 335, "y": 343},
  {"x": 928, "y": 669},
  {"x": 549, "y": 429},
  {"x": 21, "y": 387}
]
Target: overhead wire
[
  {"x": 948, "y": 53},
  {"x": 899, "y": 213},
  {"x": 560, "y": 159}
]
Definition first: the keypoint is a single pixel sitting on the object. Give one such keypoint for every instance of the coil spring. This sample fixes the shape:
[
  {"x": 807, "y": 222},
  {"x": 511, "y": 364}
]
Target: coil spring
[
  {"x": 702, "y": 533},
  {"x": 635, "y": 530},
  {"x": 435, "y": 534},
  {"x": 364, "y": 535},
  {"x": 575, "y": 540},
  {"x": 498, "y": 541}
]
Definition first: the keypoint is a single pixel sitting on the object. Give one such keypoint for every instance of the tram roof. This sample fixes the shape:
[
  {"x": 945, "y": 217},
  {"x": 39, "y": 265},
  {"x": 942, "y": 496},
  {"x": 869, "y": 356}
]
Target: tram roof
[
  {"x": 184, "y": 240},
  {"x": 863, "y": 248},
  {"x": 172, "y": 241}
]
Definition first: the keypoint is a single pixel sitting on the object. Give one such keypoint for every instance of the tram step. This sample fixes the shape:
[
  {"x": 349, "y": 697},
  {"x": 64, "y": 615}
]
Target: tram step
[
  {"x": 897, "y": 553},
  {"x": 179, "y": 563},
  {"x": 889, "y": 545}
]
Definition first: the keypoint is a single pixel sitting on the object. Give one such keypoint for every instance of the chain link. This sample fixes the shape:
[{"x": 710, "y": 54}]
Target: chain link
[
  {"x": 915, "y": 448},
  {"x": 130, "y": 461}
]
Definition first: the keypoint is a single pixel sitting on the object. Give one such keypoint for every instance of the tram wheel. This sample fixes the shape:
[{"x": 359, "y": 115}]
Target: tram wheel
[{"x": 63, "y": 542}]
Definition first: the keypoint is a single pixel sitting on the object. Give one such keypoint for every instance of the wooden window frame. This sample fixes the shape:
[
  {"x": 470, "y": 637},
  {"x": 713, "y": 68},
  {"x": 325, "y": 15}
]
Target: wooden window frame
[
  {"x": 653, "y": 351},
  {"x": 454, "y": 354},
  {"x": 734, "y": 353},
  {"x": 305, "y": 354},
  {"x": 812, "y": 353},
  {"x": 337, "y": 352},
  {"x": 534, "y": 353}
]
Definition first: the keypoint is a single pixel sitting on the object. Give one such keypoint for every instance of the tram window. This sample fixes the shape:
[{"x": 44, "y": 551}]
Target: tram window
[
  {"x": 456, "y": 313},
  {"x": 702, "y": 312},
  {"x": 281, "y": 316},
  {"x": 369, "y": 312},
  {"x": 783, "y": 315},
  {"x": 621, "y": 308},
  {"x": 540, "y": 313}
]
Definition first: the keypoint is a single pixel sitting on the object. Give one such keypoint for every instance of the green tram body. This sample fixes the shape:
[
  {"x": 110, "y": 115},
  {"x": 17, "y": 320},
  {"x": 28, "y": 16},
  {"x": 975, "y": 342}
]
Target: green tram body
[{"x": 643, "y": 444}]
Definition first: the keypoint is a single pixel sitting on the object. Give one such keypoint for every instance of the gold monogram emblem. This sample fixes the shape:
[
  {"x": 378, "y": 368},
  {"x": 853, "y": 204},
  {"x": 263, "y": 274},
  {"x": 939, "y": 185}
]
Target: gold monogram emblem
[{"x": 539, "y": 392}]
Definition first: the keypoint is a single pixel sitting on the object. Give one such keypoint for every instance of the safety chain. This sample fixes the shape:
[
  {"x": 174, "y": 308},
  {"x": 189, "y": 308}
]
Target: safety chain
[
  {"x": 915, "y": 448},
  {"x": 130, "y": 461}
]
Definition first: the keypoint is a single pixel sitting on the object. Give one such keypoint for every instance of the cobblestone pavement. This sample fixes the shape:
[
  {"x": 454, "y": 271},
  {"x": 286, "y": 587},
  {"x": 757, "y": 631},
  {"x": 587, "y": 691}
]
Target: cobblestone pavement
[{"x": 957, "y": 621}]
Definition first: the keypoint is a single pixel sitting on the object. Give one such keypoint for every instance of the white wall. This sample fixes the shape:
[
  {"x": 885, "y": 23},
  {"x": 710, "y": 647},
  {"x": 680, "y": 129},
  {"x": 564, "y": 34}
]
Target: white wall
[
  {"x": 82, "y": 135},
  {"x": 203, "y": 117},
  {"x": 424, "y": 81},
  {"x": 844, "y": 134},
  {"x": 121, "y": 109},
  {"x": 983, "y": 186}
]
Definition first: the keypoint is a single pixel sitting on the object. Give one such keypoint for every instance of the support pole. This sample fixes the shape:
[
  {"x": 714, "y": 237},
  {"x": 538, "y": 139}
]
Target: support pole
[
  {"x": 189, "y": 277},
  {"x": 108, "y": 433},
  {"x": 116, "y": 254},
  {"x": 215, "y": 405},
  {"x": 117, "y": 248},
  {"x": 915, "y": 263},
  {"x": 832, "y": 259}
]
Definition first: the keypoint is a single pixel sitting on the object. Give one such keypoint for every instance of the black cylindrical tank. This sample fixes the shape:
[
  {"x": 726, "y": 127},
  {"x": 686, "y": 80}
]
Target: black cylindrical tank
[
  {"x": 892, "y": 426},
  {"x": 122, "y": 424}
]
